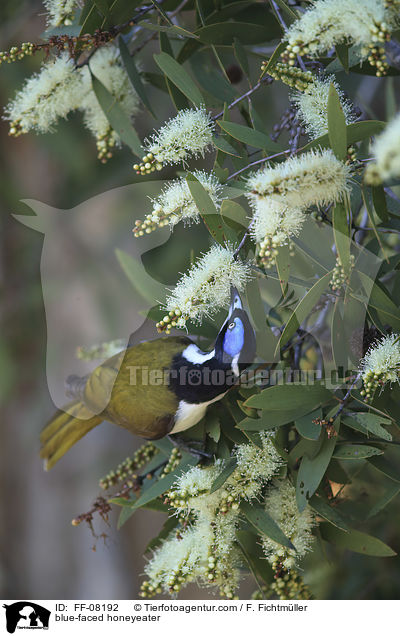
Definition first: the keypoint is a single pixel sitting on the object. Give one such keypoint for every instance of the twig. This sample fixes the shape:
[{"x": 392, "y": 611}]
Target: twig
[
  {"x": 244, "y": 237},
  {"x": 266, "y": 79},
  {"x": 255, "y": 163},
  {"x": 346, "y": 398}
]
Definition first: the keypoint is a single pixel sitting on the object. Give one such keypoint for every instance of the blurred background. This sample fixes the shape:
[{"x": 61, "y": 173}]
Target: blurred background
[{"x": 42, "y": 556}]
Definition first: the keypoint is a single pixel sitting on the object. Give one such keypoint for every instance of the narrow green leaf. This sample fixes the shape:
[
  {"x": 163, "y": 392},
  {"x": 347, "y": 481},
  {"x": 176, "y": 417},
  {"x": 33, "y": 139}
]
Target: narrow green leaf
[
  {"x": 134, "y": 76},
  {"x": 224, "y": 33},
  {"x": 241, "y": 56},
  {"x": 391, "y": 492},
  {"x": 282, "y": 261},
  {"x": 212, "y": 426},
  {"x": 145, "y": 285},
  {"x": 275, "y": 57},
  {"x": 169, "y": 525},
  {"x": 229, "y": 467},
  {"x": 264, "y": 523},
  {"x": 382, "y": 464},
  {"x": 117, "y": 118},
  {"x": 179, "y": 76},
  {"x": 304, "y": 308},
  {"x": 371, "y": 423},
  {"x": 289, "y": 14},
  {"x": 306, "y": 427},
  {"x": 355, "y": 132},
  {"x": 337, "y": 131},
  {"x": 328, "y": 512},
  {"x": 379, "y": 300},
  {"x": 379, "y": 201},
  {"x": 212, "y": 220},
  {"x": 291, "y": 396},
  {"x": 356, "y": 541},
  {"x": 224, "y": 146},
  {"x": 162, "y": 12},
  {"x": 313, "y": 469},
  {"x": 342, "y": 51},
  {"x": 370, "y": 212},
  {"x": 356, "y": 451},
  {"x": 249, "y": 136},
  {"x": 341, "y": 234}
]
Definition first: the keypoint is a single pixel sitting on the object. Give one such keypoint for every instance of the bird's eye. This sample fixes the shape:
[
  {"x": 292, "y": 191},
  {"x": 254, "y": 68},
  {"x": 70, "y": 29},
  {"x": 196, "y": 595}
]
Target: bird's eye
[{"x": 231, "y": 325}]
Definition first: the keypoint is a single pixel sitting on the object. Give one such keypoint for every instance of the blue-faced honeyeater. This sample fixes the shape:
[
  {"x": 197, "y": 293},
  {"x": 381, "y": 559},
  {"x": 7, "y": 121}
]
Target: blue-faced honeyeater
[{"x": 194, "y": 379}]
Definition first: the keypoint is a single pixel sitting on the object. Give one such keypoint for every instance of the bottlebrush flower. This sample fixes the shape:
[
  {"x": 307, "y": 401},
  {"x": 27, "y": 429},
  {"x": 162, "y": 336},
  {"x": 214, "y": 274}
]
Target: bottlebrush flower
[
  {"x": 281, "y": 504},
  {"x": 381, "y": 364},
  {"x": 386, "y": 153},
  {"x": 176, "y": 203},
  {"x": 60, "y": 12},
  {"x": 366, "y": 23},
  {"x": 52, "y": 93},
  {"x": 314, "y": 178},
  {"x": 312, "y": 106},
  {"x": 188, "y": 134},
  {"x": 205, "y": 288}
]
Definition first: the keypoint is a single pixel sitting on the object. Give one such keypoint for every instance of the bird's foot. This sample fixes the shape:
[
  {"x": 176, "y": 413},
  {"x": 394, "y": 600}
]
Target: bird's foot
[{"x": 189, "y": 446}]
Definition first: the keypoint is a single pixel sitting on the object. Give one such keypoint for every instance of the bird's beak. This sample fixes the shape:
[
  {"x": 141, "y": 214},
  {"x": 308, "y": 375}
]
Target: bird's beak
[{"x": 236, "y": 301}]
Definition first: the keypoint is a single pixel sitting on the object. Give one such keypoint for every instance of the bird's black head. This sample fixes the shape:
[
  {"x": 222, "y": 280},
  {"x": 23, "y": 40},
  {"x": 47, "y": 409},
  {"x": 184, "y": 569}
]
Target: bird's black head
[{"x": 236, "y": 342}]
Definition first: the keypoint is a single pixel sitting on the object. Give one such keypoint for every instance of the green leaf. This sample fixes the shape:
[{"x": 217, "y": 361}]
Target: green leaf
[
  {"x": 249, "y": 136},
  {"x": 212, "y": 426},
  {"x": 224, "y": 146},
  {"x": 167, "y": 528},
  {"x": 275, "y": 57},
  {"x": 328, "y": 512},
  {"x": 336, "y": 124},
  {"x": 381, "y": 464},
  {"x": 229, "y": 467},
  {"x": 282, "y": 261},
  {"x": 313, "y": 469},
  {"x": 178, "y": 99},
  {"x": 355, "y": 132},
  {"x": 179, "y": 76},
  {"x": 370, "y": 212},
  {"x": 379, "y": 300},
  {"x": 270, "y": 420},
  {"x": 304, "y": 308},
  {"x": 144, "y": 284},
  {"x": 379, "y": 201},
  {"x": 306, "y": 427},
  {"x": 341, "y": 234},
  {"x": 342, "y": 51},
  {"x": 206, "y": 208},
  {"x": 391, "y": 492},
  {"x": 226, "y": 32},
  {"x": 370, "y": 423},
  {"x": 290, "y": 15},
  {"x": 134, "y": 76},
  {"x": 264, "y": 523},
  {"x": 292, "y": 396},
  {"x": 162, "y": 12},
  {"x": 241, "y": 56},
  {"x": 117, "y": 118},
  {"x": 356, "y": 451},
  {"x": 356, "y": 541}
]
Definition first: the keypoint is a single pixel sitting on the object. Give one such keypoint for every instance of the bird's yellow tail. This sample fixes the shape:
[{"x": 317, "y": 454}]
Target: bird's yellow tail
[{"x": 64, "y": 430}]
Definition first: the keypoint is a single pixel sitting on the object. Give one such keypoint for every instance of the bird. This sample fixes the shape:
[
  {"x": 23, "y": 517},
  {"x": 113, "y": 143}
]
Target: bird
[{"x": 156, "y": 388}]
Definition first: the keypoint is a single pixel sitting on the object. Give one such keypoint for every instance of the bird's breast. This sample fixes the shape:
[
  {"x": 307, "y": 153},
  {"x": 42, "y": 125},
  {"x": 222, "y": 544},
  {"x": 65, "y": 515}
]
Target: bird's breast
[{"x": 189, "y": 415}]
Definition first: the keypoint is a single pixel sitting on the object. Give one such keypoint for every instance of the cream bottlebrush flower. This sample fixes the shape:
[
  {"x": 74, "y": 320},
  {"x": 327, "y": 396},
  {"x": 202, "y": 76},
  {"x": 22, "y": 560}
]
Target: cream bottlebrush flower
[
  {"x": 281, "y": 504},
  {"x": 205, "y": 288},
  {"x": 178, "y": 561},
  {"x": 52, "y": 93},
  {"x": 176, "y": 203},
  {"x": 386, "y": 153},
  {"x": 189, "y": 134},
  {"x": 60, "y": 12},
  {"x": 381, "y": 364},
  {"x": 312, "y": 106},
  {"x": 314, "y": 178},
  {"x": 329, "y": 22},
  {"x": 106, "y": 65},
  {"x": 274, "y": 224}
]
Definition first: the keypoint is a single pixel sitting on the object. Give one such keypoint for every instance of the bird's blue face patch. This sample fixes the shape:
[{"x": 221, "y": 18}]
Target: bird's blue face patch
[{"x": 234, "y": 337}]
